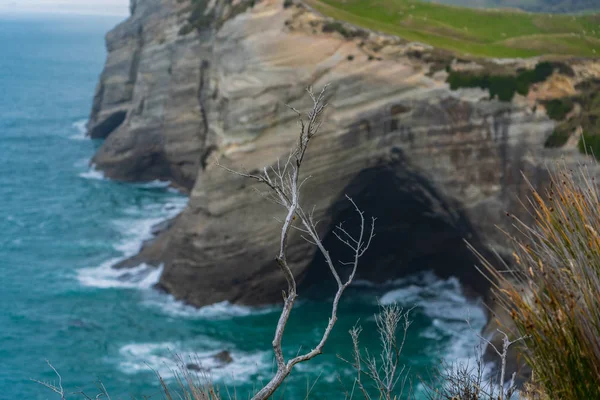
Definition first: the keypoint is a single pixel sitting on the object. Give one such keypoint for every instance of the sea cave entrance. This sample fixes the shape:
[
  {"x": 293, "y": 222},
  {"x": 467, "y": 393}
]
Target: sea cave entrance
[{"x": 417, "y": 230}]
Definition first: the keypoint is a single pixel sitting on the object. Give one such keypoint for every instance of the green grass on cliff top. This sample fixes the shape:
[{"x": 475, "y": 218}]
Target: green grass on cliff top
[{"x": 487, "y": 33}]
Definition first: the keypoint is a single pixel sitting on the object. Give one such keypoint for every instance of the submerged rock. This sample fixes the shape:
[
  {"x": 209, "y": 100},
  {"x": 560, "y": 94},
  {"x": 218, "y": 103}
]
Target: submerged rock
[
  {"x": 207, "y": 364},
  {"x": 224, "y": 357},
  {"x": 195, "y": 367}
]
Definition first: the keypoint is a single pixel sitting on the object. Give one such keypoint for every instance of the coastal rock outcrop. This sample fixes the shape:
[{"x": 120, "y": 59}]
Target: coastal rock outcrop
[
  {"x": 146, "y": 104},
  {"x": 435, "y": 166}
]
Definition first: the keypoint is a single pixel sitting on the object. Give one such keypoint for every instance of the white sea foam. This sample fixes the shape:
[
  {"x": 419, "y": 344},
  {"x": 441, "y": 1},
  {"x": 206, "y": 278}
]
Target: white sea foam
[
  {"x": 155, "y": 184},
  {"x": 423, "y": 278},
  {"x": 444, "y": 302},
  {"x": 168, "y": 305},
  {"x": 81, "y": 129},
  {"x": 141, "y": 277},
  {"x": 134, "y": 233},
  {"x": 93, "y": 173},
  {"x": 162, "y": 358},
  {"x": 134, "y": 229}
]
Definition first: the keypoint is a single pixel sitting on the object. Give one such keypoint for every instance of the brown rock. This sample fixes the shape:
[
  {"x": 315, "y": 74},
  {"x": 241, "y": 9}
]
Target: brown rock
[{"x": 219, "y": 360}]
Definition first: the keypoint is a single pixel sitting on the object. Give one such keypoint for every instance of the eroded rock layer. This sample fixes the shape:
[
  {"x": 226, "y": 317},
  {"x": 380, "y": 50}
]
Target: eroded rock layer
[{"x": 436, "y": 166}]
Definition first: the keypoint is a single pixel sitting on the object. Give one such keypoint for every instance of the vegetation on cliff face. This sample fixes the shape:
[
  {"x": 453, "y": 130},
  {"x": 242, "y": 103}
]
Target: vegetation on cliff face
[
  {"x": 574, "y": 114},
  {"x": 201, "y": 17},
  {"x": 503, "y": 87},
  {"x": 488, "y": 33},
  {"x": 558, "y": 109},
  {"x": 579, "y": 113},
  {"x": 553, "y": 290},
  {"x": 588, "y": 118},
  {"x": 557, "y": 138},
  {"x": 589, "y": 144}
]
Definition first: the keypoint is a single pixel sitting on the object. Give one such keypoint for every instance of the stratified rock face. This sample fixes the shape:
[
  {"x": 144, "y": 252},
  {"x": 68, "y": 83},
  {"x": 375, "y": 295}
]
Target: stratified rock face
[
  {"x": 447, "y": 169},
  {"x": 434, "y": 166},
  {"x": 146, "y": 104}
]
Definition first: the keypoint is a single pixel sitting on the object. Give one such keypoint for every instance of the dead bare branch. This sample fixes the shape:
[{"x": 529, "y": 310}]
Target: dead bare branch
[
  {"x": 56, "y": 388},
  {"x": 284, "y": 185},
  {"x": 385, "y": 372},
  {"x": 507, "y": 393}
]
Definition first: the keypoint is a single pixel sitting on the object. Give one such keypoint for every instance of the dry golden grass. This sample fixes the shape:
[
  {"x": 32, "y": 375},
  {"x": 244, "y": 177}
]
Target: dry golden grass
[{"x": 553, "y": 291}]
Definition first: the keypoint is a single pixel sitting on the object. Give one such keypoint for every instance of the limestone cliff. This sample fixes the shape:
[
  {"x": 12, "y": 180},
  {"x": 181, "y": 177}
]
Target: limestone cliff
[{"x": 436, "y": 166}]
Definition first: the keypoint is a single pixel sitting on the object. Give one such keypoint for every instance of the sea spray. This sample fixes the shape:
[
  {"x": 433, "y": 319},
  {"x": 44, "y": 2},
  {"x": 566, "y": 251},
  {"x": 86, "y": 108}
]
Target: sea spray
[
  {"x": 134, "y": 230},
  {"x": 104, "y": 277},
  {"x": 454, "y": 317},
  {"x": 93, "y": 173},
  {"x": 80, "y": 128}
]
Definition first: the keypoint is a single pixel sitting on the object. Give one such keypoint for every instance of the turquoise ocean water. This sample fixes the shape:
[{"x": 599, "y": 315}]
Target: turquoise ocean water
[{"x": 62, "y": 225}]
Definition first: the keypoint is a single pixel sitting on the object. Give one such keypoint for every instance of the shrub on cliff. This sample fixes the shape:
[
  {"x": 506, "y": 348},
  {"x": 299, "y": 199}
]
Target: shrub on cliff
[
  {"x": 558, "y": 138},
  {"x": 586, "y": 117},
  {"x": 335, "y": 26},
  {"x": 503, "y": 87},
  {"x": 557, "y": 109},
  {"x": 553, "y": 291},
  {"x": 198, "y": 18},
  {"x": 589, "y": 144}
]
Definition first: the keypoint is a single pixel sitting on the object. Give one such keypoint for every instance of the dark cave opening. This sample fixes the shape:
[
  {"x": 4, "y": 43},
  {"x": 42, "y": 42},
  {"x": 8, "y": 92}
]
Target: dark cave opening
[
  {"x": 416, "y": 230},
  {"x": 108, "y": 126}
]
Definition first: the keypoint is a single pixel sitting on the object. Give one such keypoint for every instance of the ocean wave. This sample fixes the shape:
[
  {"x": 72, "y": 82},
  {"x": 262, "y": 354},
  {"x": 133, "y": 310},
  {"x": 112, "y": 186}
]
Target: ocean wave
[
  {"x": 167, "y": 304},
  {"x": 443, "y": 301},
  {"x": 424, "y": 278},
  {"x": 438, "y": 297},
  {"x": 134, "y": 231},
  {"x": 139, "y": 225},
  {"x": 93, "y": 174},
  {"x": 105, "y": 276},
  {"x": 81, "y": 129},
  {"x": 162, "y": 358},
  {"x": 155, "y": 184}
]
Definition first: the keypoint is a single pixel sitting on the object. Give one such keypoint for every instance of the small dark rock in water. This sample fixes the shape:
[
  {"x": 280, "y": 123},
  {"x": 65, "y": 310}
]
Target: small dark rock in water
[
  {"x": 223, "y": 357},
  {"x": 195, "y": 367},
  {"x": 82, "y": 324},
  {"x": 220, "y": 360}
]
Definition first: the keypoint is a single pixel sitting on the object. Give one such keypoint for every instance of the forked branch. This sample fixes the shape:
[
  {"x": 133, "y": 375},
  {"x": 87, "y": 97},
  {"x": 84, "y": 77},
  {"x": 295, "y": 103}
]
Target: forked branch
[
  {"x": 505, "y": 392},
  {"x": 55, "y": 387},
  {"x": 283, "y": 187}
]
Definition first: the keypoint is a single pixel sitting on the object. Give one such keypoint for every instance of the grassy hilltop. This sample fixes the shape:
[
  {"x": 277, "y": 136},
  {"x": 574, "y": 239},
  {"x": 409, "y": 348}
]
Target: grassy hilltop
[
  {"x": 553, "y": 6},
  {"x": 478, "y": 32}
]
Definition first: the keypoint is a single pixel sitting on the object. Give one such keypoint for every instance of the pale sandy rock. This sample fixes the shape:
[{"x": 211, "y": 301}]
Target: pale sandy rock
[{"x": 556, "y": 86}]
